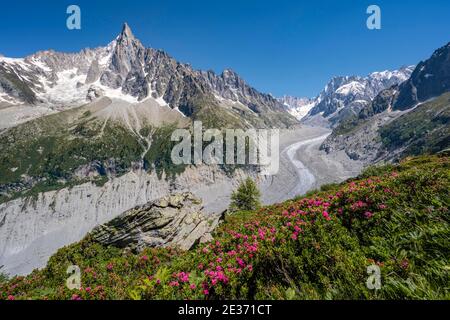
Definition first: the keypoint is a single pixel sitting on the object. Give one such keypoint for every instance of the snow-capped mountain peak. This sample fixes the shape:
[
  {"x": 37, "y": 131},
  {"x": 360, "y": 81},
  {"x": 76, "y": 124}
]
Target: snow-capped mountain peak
[
  {"x": 298, "y": 107},
  {"x": 58, "y": 79},
  {"x": 125, "y": 69},
  {"x": 345, "y": 96}
]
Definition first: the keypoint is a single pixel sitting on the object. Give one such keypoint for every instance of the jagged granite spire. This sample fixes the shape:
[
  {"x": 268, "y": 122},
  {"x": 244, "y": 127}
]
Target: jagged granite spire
[
  {"x": 126, "y": 62},
  {"x": 126, "y": 31},
  {"x": 126, "y": 36},
  {"x": 132, "y": 70}
]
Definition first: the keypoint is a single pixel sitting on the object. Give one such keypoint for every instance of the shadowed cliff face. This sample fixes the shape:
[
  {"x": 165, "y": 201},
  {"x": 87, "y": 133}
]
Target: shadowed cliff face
[{"x": 430, "y": 79}]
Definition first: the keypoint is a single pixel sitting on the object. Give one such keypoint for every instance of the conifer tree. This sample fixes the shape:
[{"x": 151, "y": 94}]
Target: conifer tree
[{"x": 246, "y": 197}]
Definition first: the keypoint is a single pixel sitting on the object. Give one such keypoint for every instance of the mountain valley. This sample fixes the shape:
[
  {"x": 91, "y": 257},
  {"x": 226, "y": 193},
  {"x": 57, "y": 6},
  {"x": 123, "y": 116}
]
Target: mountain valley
[{"x": 85, "y": 139}]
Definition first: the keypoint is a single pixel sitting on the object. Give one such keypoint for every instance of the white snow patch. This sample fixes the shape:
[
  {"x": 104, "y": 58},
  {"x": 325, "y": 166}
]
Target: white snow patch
[
  {"x": 65, "y": 91},
  {"x": 16, "y": 62},
  {"x": 178, "y": 109},
  {"x": 300, "y": 112},
  {"x": 361, "y": 101},
  {"x": 161, "y": 102},
  {"x": 352, "y": 87},
  {"x": 388, "y": 75},
  {"x": 11, "y": 60},
  {"x": 105, "y": 58},
  {"x": 116, "y": 93},
  {"x": 37, "y": 62}
]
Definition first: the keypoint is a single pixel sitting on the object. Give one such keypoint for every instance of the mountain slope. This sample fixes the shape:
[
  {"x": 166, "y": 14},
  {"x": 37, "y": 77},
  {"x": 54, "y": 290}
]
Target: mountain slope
[
  {"x": 406, "y": 119},
  {"x": 392, "y": 135},
  {"x": 91, "y": 143},
  {"x": 298, "y": 107},
  {"x": 318, "y": 247},
  {"x": 424, "y": 130}
]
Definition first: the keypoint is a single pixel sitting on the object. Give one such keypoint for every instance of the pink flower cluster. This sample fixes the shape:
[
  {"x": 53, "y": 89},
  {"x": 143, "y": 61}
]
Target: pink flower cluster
[
  {"x": 273, "y": 226},
  {"x": 216, "y": 277},
  {"x": 183, "y": 277}
]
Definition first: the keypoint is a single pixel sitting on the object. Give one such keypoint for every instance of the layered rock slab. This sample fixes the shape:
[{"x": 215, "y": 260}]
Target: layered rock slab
[{"x": 176, "y": 220}]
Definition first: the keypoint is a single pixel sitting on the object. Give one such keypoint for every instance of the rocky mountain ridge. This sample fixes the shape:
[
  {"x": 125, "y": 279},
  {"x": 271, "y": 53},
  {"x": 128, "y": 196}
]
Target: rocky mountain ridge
[
  {"x": 126, "y": 70},
  {"x": 346, "y": 96},
  {"x": 406, "y": 119}
]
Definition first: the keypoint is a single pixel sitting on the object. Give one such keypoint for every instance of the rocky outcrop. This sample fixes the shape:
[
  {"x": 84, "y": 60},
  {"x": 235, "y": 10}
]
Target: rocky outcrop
[
  {"x": 94, "y": 93},
  {"x": 93, "y": 72},
  {"x": 175, "y": 220}
]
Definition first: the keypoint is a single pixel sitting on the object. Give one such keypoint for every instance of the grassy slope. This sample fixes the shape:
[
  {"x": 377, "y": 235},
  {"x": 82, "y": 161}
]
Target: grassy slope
[
  {"x": 423, "y": 130},
  {"x": 316, "y": 247}
]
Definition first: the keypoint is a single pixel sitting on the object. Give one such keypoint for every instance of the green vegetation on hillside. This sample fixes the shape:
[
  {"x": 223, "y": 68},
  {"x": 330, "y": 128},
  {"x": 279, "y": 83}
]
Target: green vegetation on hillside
[
  {"x": 73, "y": 147},
  {"x": 214, "y": 116},
  {"x": 352, "y": 123},
  {"x": 314, "y": 247},
  {"x": 45, "y": 154},
  {"x": 426, "y": 129},
  {"x": 158, "y": 156},
  {"x": 234, "y": 116},
  {"x": 246, "y": 197}
]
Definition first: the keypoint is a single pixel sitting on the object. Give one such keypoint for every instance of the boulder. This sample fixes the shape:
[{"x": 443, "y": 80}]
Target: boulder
[{"x": 176, "y": 220}]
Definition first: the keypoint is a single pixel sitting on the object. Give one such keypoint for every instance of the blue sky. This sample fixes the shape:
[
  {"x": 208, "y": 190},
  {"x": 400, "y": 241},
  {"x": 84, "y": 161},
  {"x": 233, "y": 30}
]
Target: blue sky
[{"x": 281, "y": 47}]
